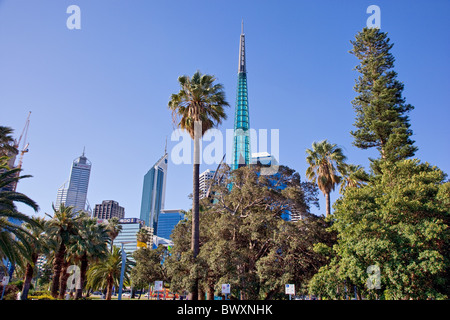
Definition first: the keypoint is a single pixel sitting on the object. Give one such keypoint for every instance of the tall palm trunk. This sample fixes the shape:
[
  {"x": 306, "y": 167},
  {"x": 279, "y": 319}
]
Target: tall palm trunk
[
  {"x": 210, "y": 291},
  {"x": 328, "y": 204},
  {"x": 64, "y": 276},
  {"x": 57, "y": 264},
  {"x": 83, "y": 269},
  {"x": 195, "y": 241},
  {"x": 109, "y": 286},
  {"x": 28, "y": 277}
]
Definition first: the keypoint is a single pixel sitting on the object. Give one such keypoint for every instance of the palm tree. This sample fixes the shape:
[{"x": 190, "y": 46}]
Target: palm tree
[
  {"x": 114, "y": 228},
  {"x": 38, "y": 245},
  {"x": 11, "y": 232},
  {"x": 325, "y": 161},
  {"x": 143, "y": 236},
  {"x": 106, "y": 273},
  {"x": 62, "y": 226},
  {"x": 7, "y": 142},
  {"x": 353, "y": 176},
  {"x": 196, "y": 108},
  {"x": 91, "y": 245}
]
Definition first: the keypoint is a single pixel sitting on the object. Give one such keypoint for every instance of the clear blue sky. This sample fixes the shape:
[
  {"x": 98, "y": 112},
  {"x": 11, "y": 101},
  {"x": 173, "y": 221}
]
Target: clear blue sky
[{"x": 106, "y": 87}]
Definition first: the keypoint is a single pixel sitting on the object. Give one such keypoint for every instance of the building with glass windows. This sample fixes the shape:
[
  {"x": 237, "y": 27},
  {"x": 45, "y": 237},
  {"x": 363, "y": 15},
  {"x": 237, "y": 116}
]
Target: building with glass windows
[
  {"x": 167, "y": 221},
  {"x": 205, "y": 180},
  {"x": 128, "y": 235},
  {"x": 74, "y": 192},
  {"x": 108, "y": 209},
  {"x": 241, "y": 138},
  {"x": 153, "y": 193}
]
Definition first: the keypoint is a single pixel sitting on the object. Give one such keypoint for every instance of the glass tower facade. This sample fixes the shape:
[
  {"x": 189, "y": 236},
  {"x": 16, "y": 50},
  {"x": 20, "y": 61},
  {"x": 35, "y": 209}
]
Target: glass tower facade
[
  {"x": 153, "y": 193},
  {"x": 241, "y": 139},
  {"x": 75, "y": 194},
  {"x": 128, "y": 235},
  {"x": 168, "y": 219}
]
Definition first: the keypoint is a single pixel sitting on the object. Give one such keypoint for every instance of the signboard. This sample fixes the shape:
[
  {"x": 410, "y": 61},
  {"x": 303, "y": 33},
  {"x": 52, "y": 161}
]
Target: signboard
[
  {"x": 290, "y": 289},
  {"x": 226, "y": 288},
  {"x": 5, "y": 280},
  {"x": 158, "y": 286},
  {"x": 130, "y": 220},
  {"x": 82, "y": 166}
]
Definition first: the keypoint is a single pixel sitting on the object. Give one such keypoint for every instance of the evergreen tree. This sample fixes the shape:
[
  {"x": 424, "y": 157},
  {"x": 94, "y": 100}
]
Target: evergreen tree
[
  {"x": 381, "y": 110},
  {"x": 399, "y": 222}
]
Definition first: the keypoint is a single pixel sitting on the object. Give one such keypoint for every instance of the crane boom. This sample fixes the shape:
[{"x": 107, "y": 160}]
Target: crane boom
[{"x": 24, "y": 148}]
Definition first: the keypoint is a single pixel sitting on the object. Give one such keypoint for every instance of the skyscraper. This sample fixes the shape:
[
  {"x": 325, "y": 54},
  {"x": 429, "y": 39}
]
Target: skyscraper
[
  {"x": 128, "y": 235},
  {"x": 205, "y": 181},
  {"x": 153, "y": 193},
  {"x": 241, "y": 139},
  {"x": 108, "y": 209},
  {"x": 75, "y": 194},
  {"x": 167, "y": 221}
]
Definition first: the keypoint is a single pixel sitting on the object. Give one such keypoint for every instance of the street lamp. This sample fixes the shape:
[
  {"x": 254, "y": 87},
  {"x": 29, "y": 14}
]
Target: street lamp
[{"x": 122, "y": 270}]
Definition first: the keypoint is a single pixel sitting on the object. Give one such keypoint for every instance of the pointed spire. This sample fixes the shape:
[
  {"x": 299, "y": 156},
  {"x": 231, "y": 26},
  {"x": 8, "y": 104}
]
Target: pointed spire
[
  {"x": 165, "y": 148},
  {"x": 84, "y": 151},
  {"x": 242, "y": 68}
]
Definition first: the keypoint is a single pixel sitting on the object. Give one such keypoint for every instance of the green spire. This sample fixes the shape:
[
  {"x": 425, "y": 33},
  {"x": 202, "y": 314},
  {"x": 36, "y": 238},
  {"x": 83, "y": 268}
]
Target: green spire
[{"x": 241, "y": 143}]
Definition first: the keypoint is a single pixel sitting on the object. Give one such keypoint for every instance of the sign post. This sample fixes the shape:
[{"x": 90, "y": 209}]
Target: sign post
[
  {"x": 290, "y": 290},
  {"x": 158, "y": 288},
  {"x": 226, "y": 290},
  {"x": 122, "y": 269}
]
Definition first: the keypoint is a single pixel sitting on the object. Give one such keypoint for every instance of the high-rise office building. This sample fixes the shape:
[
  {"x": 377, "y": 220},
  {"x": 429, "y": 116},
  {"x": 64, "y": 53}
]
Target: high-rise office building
[
  {"x": 74, "y": 192},
  {"x": 205, "y": 180},
  {"x": 108, "y": 209},
  {"x": 167, "y": 221},
  {"x": 241, "y": 138},
  {"x": 153, "y": 193},
  {"x": 128, "y": 234}
]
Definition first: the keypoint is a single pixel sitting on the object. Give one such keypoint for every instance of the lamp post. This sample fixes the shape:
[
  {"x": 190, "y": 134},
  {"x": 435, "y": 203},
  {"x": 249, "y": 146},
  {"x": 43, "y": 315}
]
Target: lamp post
[{"x": 122, "y": 270}]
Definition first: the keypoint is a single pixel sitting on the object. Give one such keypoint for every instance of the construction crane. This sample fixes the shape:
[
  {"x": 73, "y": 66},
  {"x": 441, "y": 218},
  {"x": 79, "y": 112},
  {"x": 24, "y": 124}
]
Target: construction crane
[
  {"x": 208, "y": 192},
  {"x": 24, "y": 148}
]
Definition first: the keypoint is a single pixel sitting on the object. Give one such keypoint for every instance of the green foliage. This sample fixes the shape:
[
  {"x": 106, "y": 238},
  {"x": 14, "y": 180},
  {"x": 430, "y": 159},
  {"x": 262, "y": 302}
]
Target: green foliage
[
  {"x": 7, "y": 147},
  {"x": 325, "y": 161},
  {"x": 199, "y": 99},
  {"x": 46, "y": 296},
  {"x": 398, "y": 221},
  {"x": 11, "y": 291},
  {"x": 149, "y": 267},
  {"x": 244, "y": 240},
  {"x": 15, "y": 242},
  {"x": 106, "y": 273},
  {"x": 381, "y": 111},
  {"x": 40, "y": 295}
]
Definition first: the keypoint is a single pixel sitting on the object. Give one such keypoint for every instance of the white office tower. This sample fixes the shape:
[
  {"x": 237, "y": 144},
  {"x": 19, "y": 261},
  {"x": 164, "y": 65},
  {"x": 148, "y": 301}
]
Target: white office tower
[
  {"x": 74, "y": 192},
  {"x": 205, "y": 180}
]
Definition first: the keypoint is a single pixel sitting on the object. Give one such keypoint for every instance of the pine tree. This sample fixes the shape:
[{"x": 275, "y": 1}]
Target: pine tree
[{"x": 381, "y": 111}]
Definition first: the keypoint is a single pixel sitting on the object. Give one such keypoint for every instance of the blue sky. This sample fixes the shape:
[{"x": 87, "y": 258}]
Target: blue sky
[{"x": 106, "y": 87}]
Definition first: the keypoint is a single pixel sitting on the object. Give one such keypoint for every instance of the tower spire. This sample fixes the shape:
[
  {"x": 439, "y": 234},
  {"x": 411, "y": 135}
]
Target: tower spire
[
  {"x": 165, "y": 148},
  {"x": 242, "y": 67},
  {"x": 241, "y": 141}
]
